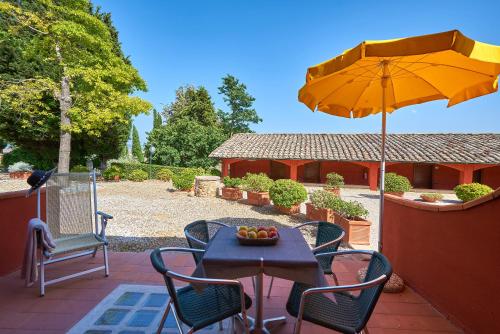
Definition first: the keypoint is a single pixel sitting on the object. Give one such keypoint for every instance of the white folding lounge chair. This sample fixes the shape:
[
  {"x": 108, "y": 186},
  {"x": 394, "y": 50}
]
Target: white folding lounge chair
[{"x": 73, "y": 221}]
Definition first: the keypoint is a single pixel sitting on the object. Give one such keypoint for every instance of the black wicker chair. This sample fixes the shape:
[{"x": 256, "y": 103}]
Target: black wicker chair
[
  {"x": 349, "y": 313},
  {"x": 328, "y": 239},
  {"x": 199, "y": 233},
  {"x": 211, "y": 301}
]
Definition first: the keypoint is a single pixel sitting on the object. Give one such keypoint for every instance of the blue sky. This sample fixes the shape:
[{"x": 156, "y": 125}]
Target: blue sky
[{"x": 268, "y": 45}]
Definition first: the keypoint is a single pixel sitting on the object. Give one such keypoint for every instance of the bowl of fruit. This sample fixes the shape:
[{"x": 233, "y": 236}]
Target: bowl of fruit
[{"x": 257, "y": 236}]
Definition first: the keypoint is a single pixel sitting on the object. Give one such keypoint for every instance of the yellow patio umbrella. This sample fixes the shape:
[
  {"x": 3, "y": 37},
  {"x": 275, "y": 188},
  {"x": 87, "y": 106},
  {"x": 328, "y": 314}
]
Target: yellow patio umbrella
[{"x": 382, "y": 76}]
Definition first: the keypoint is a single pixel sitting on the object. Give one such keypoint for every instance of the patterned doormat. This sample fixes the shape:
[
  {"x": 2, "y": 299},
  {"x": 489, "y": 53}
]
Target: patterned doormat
[{"x": 134, "y": 309}]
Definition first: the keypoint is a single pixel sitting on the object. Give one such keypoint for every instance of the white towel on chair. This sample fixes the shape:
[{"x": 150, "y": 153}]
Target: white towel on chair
[{"x": 29, "y": 270}]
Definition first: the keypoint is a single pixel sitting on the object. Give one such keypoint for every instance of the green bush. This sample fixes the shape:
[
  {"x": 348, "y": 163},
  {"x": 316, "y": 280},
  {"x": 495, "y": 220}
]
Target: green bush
[
  {"x": 234, "y": 182},
  {"x": 137, "y": 175},
  {"x": 470, "y": 191},
  {"x": 112, "y": 171},
  {"x": 323, "y": 199},
  {"x": 79, "y": 169},
  {"x": 396, "y": 183},
  {"x": 38, "y": 161},
  {"x": 287, "y": 193},
  {"x": 353, "y": 210},
  {"x": 185, "y": 179},
  {"x": 164, "y": 174},
  {"x": 334, "y": 181},
  {"x": 257, "y": 182},
  {"x": 20, "y": 166}
]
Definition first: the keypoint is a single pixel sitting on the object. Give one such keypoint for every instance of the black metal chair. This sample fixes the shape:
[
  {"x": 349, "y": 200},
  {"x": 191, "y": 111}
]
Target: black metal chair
[
  {"x": 211, "y": 301},
  {"x": 348, "y": 313},
  {"x": 199, "y": 233},
  {"x": 328, "y": 239}
]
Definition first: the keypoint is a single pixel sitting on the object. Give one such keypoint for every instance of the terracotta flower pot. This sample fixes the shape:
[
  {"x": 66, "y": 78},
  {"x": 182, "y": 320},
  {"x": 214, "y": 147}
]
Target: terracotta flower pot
[
  {"x": 319, "y": 214},
  {"x": 116, "y": 178},
  {"x": 19, "y": 175},
  {"x": 335, "y": 191},
  {"x": 232, "y": 194},
  {"x": 356, "y": 231},
  {"x": 288, "y": 211},
  {"x": 429, "y": 199},
  {"x": 395, "y": 193},
  {"x": 258, "y": 198}
]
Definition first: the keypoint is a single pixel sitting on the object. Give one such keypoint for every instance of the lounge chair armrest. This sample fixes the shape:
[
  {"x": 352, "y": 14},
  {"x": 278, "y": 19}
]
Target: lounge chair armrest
[{"x": 104, "y": 215}]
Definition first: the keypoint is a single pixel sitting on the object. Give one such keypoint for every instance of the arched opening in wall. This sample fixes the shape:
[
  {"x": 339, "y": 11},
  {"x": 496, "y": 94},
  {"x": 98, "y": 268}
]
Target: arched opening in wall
[
  {"x": 488, "y": 175},
  {"x": 309, "y": 172},
  {"x": 279, "y": 170},
  {"x": 354, "y": 174},
  {"x": 444, "y": 177},
  {"x": 241, "y": 168}
]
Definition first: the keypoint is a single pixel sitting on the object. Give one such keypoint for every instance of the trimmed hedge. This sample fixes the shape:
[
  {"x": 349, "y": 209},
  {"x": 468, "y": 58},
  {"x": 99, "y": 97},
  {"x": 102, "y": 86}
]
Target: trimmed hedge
[
  {"x": 165, "y": 174},
  {"x": 138, "y": 175},
  {"x": 128, "y": 167},
  {"x": 185, "y": 179}
]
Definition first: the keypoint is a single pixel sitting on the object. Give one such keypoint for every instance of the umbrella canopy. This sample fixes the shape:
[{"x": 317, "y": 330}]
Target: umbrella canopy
[{"x": 382, "y": 76}]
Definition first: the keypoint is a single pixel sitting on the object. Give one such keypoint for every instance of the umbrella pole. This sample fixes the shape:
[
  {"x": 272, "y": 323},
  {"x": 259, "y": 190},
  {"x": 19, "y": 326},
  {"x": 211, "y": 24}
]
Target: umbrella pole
[{"x": 385, "y": 77}]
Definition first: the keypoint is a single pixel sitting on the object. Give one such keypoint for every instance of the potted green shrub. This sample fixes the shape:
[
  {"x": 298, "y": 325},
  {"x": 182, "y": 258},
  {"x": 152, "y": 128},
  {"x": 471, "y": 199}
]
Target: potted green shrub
[
  {"x": 396, "y": 184},
  {"x": 185, "y": 179},
  {"x": 471, "y": 191},
  {"x": 322, "y": 206},
  {"x": 164, "y": 174},
  {"x": 352, "y": 217},
  {"x": 112, "y": 173},
  {"x": 138, "y": 175},
  {"x": 231, "y": 190},
  {"x": 287, "y": 195},
  {"x": 20, "y": 170},
  {"x": 431, "y": 197},
  {"x": 257, "y": 188},
  {"x": 333, "y": 183}
]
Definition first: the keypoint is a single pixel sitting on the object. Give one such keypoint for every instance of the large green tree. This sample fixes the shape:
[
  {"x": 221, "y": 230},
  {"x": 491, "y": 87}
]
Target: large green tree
[
  {"x": 240, "y": 103},
  {"x": 62, "y": 76},
  {"x": 191, "y": 132}
]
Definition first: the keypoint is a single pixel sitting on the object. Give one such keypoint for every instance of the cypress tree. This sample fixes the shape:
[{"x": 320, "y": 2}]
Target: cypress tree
[{"x": 136, "y": 146}]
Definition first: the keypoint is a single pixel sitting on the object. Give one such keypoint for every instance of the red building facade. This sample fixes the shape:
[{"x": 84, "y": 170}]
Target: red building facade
[{"x": 433, "y": 161}]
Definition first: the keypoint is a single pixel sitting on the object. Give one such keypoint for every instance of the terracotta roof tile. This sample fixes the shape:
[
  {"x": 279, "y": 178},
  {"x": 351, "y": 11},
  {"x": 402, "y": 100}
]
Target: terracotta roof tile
[{"x": 430, "y": 148}]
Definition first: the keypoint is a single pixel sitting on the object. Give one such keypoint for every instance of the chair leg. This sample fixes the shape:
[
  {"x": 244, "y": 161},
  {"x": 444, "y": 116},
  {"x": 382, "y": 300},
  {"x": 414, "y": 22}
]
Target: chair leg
[
  {"x": 365, "y": 331},
  {"x": 106, "y": 264},
  {"x": 270, "y": 287},
  {"x": 42, "y": 276},
  {"x": 164, "y": 318},
  {"x": 95, "y": 252},
  {"x": 298, "y": 325},
  {"x": 221, "y": 325},
  {"x": 335, "y": 279}
]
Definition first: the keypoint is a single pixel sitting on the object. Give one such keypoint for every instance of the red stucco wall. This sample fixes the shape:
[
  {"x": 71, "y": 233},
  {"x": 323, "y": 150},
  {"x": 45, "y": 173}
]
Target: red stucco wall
[
  {"x": 404, "y": 169},
  {"x": 241, "y": 168},
  {"x": 15, "y": 212},
  {"x": 444, "y": 177},
  {"x": 353, "y": 173},
  {"x": 450, "y": 256},
  {"x": 491, "y": 176}
]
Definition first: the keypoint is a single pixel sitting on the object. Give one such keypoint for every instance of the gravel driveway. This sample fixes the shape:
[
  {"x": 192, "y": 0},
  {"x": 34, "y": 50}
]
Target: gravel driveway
[{"x": 151, "y": 214}]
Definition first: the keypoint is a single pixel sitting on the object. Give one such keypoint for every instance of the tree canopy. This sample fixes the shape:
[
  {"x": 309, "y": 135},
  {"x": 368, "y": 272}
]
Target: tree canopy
[
  {"x": 240, "y": 103},
  {"x": 63, "y": 76}
]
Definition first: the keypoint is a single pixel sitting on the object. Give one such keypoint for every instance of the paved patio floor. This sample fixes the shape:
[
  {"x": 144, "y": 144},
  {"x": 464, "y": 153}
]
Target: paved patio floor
[{"x": 22, "y": 311}]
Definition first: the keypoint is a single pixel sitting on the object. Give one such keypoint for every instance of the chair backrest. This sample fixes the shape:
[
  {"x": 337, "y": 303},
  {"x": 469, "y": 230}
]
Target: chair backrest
[
  {"x": 327, "y": 232},
  {"x": 70, "y": 210},
  {"x": 199, "y": 233},
  {"x": 379, "y": 265}
]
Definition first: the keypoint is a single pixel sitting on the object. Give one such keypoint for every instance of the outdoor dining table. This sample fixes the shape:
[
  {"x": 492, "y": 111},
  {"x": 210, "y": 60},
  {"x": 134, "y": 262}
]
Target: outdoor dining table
[{"x": 290, "y": 259}]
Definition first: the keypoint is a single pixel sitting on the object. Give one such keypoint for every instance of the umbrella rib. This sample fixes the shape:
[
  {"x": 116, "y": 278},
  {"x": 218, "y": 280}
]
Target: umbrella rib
[
  {"x": 419, "y": 77},
  {"x": 452, "y": 66}
]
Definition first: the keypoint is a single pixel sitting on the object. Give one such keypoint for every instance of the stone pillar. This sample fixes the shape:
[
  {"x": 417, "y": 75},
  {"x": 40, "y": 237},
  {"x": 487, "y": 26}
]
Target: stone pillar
[
  {"x": 206, "y": 186},
  {"x": 225, "y": 168},
  {"x": 466, "y": 174},
  {"x": 373, "y": 176}
]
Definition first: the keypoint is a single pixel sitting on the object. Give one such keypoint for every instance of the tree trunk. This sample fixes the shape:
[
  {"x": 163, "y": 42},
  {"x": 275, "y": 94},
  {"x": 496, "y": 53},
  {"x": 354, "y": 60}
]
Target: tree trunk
[{"x": 65, "y": 134}]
